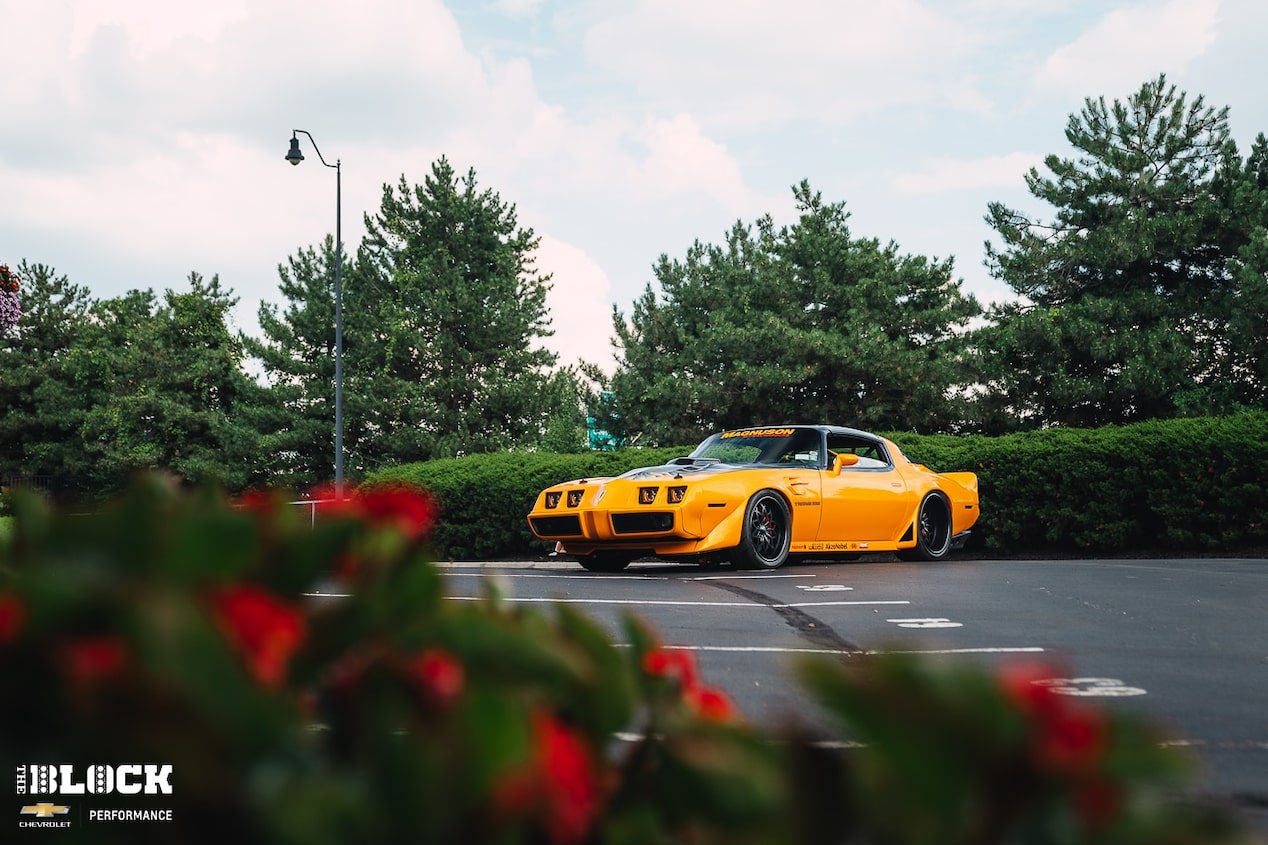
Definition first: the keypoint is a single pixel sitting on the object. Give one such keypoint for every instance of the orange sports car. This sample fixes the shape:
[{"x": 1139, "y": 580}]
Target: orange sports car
[{"x": 757, "y": 496}]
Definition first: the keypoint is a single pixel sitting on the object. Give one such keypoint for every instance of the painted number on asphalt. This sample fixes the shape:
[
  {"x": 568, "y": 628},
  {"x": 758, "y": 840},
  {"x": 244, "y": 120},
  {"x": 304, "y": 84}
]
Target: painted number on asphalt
[
  {"x": 926, "y": 623},
  {"x": 1107, "y": 687},
  {"x": 824, "y": 588}
]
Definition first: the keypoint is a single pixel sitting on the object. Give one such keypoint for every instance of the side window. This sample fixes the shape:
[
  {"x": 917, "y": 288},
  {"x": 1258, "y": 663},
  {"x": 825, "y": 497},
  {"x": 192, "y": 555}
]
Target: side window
[
  {"x": 870, "y": 454},
  {"x": 802, "y": 449}
]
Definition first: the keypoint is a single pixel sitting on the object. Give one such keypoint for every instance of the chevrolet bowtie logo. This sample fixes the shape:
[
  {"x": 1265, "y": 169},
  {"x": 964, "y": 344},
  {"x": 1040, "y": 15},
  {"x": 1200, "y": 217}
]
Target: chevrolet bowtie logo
[{"x": 45, "y": 810}]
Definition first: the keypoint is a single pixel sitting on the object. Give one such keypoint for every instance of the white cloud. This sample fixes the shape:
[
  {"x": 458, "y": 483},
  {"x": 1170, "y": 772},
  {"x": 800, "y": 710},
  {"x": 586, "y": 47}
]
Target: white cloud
[
  {"x": 152, "y": 25},
  {"x": 580, "y": 304},
  {"x": 1131, "y": 45},
  {"x": 746, "y": 63},
  {"x": 681, "y": 161},
  {"x": 940, "y": 175},
  {"x": 518, "y": 9}
]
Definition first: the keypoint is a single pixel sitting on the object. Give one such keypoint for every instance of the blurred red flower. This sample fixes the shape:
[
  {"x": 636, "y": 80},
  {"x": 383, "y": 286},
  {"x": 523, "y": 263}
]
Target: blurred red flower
[
  {"x": 1098, "y": 802},
  {"x": 438, "y": 675},
  {"x": 92, "y": 659},
  {"x": 1025, "y": 685},
  {"x": 261, "y": 502},
  {"x": 712, "y": 704},
  {"x": 1072, "y": 740},
  {"x": 559, "y": 785},
  {"x": 265, "y": 630},
  {"x": 410, "y": 510},
  {"x": 11, "y": 617},
  {"x": 677, "y": 664},
  {"x": 570, "y": 786},
  {"x": 680, "y": 665},
  {"x": 1066, "y": 737}
]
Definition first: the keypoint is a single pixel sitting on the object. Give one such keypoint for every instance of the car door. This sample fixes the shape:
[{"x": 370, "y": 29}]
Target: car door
[
  {"x": 798, "y": 473},
  {"x": 866, "y": 502}
]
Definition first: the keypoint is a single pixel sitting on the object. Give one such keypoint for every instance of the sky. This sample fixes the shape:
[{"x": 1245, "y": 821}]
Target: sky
[{"x": 142, "y": 140}]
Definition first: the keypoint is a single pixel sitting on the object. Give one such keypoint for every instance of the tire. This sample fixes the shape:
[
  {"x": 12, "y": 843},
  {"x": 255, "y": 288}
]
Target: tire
[
  {"x": 767, "y": 532},
  {"x": 933, "y": 530},
  {"x": 605, "y": 561}
]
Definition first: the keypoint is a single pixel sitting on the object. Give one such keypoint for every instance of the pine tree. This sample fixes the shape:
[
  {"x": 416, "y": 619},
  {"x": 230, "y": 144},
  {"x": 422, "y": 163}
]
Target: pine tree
[
  {"x": 1126, "y": 295},
  {"x": 802, "y": 323},
  {"x": 43, "y": 407},
  {"x": 297, "y": 355},
  {"x": 445, "y": 347},
  {"x": 167, "y": 389}
]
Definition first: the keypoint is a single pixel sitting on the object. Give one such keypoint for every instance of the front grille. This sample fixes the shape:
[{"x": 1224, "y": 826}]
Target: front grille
[
  {"x": 558, "y": 526},
  {"x": 641, "y": 523}
]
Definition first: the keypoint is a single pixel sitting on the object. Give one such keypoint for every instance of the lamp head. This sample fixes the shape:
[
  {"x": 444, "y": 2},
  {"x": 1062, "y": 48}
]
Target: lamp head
[{"x": 294, "y": 156}]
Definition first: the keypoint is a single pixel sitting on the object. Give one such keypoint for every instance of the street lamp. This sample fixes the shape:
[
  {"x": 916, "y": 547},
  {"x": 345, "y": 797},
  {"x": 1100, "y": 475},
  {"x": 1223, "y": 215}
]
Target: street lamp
[{"x": 294, "y": 156}]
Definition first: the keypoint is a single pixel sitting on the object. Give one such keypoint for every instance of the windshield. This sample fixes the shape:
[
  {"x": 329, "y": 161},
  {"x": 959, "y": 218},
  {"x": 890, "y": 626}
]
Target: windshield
[{"x": 776, "y": 446}]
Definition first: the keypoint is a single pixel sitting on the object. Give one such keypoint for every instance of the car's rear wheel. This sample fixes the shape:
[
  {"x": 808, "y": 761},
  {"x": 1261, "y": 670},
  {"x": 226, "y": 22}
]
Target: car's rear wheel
[
  {"x": 605, "y": 561},
  {"x": 767, "y": 532},
  {"x": 933, "y": 530}
]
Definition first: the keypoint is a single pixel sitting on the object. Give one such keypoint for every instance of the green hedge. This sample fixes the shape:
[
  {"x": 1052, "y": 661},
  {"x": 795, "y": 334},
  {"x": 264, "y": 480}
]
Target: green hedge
[
  {"x": 1183, "y": 485},
  {"x": 1186, "y": 485}
]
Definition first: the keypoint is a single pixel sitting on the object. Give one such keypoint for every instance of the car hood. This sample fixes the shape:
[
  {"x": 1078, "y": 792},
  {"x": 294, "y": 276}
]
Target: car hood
[
  {"x": 678, "y": 469},
  {"x": 685, "y": 468}
]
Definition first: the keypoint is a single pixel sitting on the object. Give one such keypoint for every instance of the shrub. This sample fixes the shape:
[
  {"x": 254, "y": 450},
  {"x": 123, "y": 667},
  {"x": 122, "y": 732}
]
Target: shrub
[{"x": 1190, "y": 484}]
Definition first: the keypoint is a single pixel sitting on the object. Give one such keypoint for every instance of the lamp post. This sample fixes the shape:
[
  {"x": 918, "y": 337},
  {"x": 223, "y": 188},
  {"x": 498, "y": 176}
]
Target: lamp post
[{"x": 294, "y": 156}]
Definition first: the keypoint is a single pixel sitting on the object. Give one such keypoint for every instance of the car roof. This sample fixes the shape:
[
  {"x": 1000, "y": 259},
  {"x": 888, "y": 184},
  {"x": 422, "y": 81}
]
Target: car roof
[{"x": 827, "y": 429}]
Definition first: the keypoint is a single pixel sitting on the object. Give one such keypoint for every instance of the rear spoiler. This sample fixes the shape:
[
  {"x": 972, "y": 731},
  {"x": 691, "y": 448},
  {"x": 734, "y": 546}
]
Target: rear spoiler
[{"x": 967, "y": 480}]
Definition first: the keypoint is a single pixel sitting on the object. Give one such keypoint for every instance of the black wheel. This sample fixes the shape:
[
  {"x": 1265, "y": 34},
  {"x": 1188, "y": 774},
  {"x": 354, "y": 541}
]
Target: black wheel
[
  {"x": 933, "y": 530},
  {"x": 605, "y": 561},
  {"x": 767, "y": 532}
]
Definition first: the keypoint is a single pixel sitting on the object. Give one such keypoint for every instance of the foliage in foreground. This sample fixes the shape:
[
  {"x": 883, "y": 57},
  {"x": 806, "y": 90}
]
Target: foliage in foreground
[{"x": 179, "y": 629}]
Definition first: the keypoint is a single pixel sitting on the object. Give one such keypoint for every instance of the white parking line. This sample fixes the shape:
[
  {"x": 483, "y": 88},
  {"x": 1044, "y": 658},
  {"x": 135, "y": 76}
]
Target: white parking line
[
  {"x": 633, "y": 576},
  {"x": 826, "y": 744},
  {"x": 582, "y": 576},
  {"x": 744, "y": 577},
  {"x": 762, "y": 649},
  {"x": 659, "y": 602}
]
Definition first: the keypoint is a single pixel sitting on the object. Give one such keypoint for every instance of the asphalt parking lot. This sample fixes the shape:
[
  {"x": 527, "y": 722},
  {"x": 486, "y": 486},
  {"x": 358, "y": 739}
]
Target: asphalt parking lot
[{"x": 1183, "y": 641}]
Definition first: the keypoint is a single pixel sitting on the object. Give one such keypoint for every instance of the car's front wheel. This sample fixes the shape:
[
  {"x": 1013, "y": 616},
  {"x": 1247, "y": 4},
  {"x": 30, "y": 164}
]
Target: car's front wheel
[
  {"x": 933, "y": 530},
  {"x": 605, "y": 561},
  {"x": 767, "y": 532}
]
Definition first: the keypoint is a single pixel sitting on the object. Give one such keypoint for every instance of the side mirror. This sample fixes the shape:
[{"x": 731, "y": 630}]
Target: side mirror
[{"x": 839, "y": 462}]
